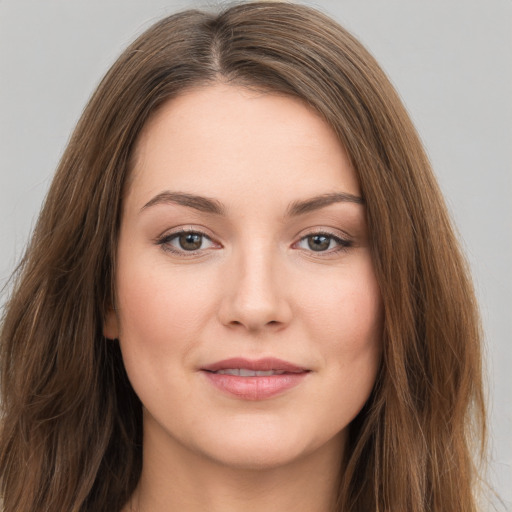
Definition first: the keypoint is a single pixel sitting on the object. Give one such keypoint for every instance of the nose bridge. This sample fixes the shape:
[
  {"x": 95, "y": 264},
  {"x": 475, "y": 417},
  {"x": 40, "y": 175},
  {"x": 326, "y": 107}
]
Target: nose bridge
[
  {"x": 256, "y": 274},
  {"x": 254, "y": 296}
]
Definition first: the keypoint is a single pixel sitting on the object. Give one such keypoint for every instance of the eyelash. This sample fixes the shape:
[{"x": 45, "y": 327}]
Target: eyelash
[
  {"x": 343, "y": 243},
  {"x": 165, "y": 241}
]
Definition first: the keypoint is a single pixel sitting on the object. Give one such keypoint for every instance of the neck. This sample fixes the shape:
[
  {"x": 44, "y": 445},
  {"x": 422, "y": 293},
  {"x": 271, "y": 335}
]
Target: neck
[{"x": 174, "y": 478}]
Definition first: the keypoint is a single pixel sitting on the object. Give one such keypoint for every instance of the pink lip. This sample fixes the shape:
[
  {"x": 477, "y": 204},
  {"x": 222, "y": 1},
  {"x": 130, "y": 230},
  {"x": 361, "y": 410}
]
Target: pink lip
[
  {"x": 255, "y": 388},
  {"x": 268, "y": 363}
]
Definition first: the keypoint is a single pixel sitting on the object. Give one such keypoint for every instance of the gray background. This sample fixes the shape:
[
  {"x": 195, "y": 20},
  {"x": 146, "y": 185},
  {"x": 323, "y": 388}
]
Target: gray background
[{"x": 451, "y": 62}]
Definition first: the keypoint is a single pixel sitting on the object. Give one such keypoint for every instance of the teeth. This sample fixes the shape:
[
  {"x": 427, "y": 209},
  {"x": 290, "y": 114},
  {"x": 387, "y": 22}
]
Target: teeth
[{"x": 243, "y": 372}]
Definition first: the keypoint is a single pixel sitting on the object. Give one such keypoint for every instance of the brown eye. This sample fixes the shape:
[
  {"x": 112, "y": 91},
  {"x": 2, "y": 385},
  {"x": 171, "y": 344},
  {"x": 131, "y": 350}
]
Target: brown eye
[
  {"x": 323, "y": 243},
  {"x": 190, "y": 241},
  {"x": 319, "y": 242},
  {"x": 184, "y": 242}
]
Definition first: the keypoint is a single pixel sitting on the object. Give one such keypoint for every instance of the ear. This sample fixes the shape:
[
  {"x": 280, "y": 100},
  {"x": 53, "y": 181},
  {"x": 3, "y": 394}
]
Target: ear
[{"x": 111, "y": 325}]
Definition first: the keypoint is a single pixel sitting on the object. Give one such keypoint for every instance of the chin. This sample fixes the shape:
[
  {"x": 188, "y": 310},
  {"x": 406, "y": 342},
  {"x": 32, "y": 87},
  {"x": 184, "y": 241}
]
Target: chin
[
  {"x": 257, "y": 457},
  {"x": 260, "y": 448}
]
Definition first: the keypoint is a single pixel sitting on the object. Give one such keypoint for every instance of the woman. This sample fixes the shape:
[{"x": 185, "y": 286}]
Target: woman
[{"x": 243, "y": 290}]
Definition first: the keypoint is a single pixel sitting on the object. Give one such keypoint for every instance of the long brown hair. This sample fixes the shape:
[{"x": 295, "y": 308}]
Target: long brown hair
[{"x": 70, "y": 437}]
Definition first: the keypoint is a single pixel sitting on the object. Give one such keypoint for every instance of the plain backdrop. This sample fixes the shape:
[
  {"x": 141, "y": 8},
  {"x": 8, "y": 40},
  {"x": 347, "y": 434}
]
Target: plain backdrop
[{"x": 451, "y": 62}]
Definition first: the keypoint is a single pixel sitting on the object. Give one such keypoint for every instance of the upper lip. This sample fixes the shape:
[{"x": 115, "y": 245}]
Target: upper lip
[{"x": 265, "y": 364}]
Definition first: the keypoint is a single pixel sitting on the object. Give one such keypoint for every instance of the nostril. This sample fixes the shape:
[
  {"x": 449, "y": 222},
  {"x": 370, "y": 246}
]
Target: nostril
[{"x": 271, "y": 323}]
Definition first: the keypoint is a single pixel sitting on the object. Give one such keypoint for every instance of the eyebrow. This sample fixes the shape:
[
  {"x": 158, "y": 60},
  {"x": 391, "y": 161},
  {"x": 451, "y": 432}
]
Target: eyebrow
[
  {"x": 209, "y": 205},
  {"x": 315, "y": 203},
  {"x": 203, "y": 204}
]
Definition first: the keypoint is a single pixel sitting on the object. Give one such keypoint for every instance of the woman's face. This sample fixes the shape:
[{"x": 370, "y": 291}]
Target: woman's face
[{"x": 244, "y": 237}]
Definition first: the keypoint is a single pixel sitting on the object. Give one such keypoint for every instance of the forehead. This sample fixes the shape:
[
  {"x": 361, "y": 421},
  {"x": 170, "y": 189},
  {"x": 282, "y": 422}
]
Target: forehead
[{"x": 230, "y": 142}]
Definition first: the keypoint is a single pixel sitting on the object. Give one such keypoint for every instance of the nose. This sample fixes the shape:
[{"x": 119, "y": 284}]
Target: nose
[{"x": 254, "y": 297}]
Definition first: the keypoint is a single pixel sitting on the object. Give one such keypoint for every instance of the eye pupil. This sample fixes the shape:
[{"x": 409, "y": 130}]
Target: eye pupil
[
  {"x": 190, "y": 241},
  {"x": 318, "y": 242}
]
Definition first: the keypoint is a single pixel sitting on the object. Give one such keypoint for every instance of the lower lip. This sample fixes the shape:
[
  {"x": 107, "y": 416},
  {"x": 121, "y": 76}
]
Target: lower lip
[{"x": 255, "y": 388}]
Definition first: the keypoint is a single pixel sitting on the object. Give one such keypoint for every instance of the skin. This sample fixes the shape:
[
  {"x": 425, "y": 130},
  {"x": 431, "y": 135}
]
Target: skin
[{"x": 254, "y": 289}]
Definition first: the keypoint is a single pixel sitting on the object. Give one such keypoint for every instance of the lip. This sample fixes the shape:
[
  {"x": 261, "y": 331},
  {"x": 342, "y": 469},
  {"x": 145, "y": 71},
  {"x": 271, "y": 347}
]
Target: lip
[
  {"x": 265, "y": 364},
  {"x": 257, "y": 387}
]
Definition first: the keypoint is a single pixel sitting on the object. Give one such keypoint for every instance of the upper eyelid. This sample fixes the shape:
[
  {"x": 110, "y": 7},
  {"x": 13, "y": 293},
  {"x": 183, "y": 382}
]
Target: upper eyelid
[
  {"x": 171, "y": 236},
  {"x": 179, "y": 230},
  {"x": 332, "y": 232},
  {"x": 327, "y": 234},
  {"x": 343, "y": 242},
  {"x": 300, "y": 236}
]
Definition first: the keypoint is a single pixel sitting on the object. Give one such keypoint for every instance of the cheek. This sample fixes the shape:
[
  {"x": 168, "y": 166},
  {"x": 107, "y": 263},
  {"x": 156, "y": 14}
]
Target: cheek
[
  {"x": 346, "y": 308},
  {"x": 161, "y": 312},
  {"x": 359, "y": 326},
  {"x": 346, "y": 319}
]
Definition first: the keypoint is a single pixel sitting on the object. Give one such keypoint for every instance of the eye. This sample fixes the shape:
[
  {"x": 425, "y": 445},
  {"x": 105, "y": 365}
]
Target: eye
[
  {"x": 185, "y": 241},
  {"x": 323, "y": 242},
  {"x": 189, "y": 241}
]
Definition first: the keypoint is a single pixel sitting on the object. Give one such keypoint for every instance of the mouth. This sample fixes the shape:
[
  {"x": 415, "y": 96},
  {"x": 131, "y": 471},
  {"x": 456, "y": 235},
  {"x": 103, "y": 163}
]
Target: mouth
[
  {"x": 250, "y": 368},
  {"x": 254, "y": 379},
  {"x": 244, "y": 372}
]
